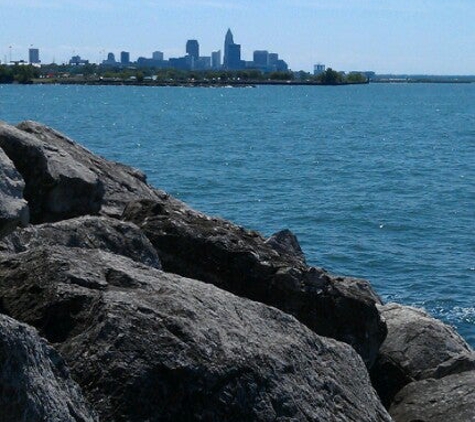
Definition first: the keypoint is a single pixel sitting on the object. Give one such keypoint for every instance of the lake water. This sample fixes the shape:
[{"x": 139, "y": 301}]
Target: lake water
[{"x": 377, "y": 181}]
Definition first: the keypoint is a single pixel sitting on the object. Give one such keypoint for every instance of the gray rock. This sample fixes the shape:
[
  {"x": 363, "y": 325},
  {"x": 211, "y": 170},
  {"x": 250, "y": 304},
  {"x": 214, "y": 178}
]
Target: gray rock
[
  {"x": 147, "y": 345},
  {"x": 35, "y": 384},
  {"x": 419, "y": 342},
  {"x": 57, "y": 186},
  {"x": 121, "y": 183},
  {"x": 451, "y": 398},
  {"x": 88, "y": 232},
  {"x": 13, "y": 208},
  {"x": 285, "y": 242},
  {"x": 417, "y": 347},
  {"x": 215, "y": 251}
]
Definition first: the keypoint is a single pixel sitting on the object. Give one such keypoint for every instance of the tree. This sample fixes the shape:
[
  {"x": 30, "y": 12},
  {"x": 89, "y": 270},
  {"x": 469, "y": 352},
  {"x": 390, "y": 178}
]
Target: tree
[
  {"x": 356, "y": 78},
  {"x": 6, "y": 75},
  {"x": 331, "y": 77}
]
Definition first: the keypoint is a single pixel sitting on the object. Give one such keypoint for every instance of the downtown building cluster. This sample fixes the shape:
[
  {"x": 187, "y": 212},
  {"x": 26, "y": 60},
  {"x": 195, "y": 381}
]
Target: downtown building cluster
[{"x": 228, "y": 59}]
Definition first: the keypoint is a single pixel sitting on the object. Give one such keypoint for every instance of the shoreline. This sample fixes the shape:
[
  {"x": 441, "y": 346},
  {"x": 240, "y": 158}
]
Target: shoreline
[{"x": 192, "y": 84}]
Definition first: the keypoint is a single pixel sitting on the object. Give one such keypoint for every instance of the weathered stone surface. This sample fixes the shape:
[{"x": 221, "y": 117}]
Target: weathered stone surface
[
  {"x": 417, "y": 347},
  {"x": 35, "y": 384},
  {"x": 451, "y": 398},
  {"x": 121, "y": 183},
  {"x": 146, "y": 345},
  {"x": 88, "y": 232},
  {"x": 215, "y": 251},
  {"x": 57, "y": 186},
  {"x": 286, "y": 243},
  {"x": 13, "y": 208}
]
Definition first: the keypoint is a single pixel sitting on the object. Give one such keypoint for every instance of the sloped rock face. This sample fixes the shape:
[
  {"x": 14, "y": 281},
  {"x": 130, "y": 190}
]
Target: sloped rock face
[
  {"x": 417, "y": 347},
  {"x": 146, "y": 345},
  {"x": 215, "y": 251},
  {"x": 286, "y": 243},
  {"x": 13, "y": 208},
  {"x": 56, "y": 185},
  {"x": 88, "y": 232},
  {"x": 120, "y": 184},
  {"x": 35, "y": 384},
  {"x": 451, "y": 398}
]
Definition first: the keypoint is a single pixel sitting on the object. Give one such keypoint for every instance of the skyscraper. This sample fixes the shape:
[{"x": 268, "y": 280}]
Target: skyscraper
[
  {"x": 34, "y": 55},
  {"x": 232, "y": 53},
  {"x": 193, "y": 49},
  {"x": 228, "y": 41},
  {"x": 216, "y": 59},
  {"x": 124, "y": 57},
  {"x": 234, "y": 57}
]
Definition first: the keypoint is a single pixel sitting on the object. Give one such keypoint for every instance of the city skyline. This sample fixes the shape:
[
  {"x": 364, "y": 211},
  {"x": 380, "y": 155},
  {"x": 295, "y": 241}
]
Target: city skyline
[
  {"x": 430, "y": 37},
  {"x": 262, "y": 60}
]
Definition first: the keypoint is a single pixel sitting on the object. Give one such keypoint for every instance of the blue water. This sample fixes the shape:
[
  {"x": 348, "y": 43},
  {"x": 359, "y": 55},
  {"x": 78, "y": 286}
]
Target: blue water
[{"x": 377, "y": 181}]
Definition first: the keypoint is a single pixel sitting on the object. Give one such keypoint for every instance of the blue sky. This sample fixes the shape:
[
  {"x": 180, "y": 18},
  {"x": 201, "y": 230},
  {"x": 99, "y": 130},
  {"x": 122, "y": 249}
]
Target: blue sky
[{"x": 404, "y": 36}]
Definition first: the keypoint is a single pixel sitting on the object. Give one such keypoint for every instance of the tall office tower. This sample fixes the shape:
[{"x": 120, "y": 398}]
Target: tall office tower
[
  {"x": 157, "y": 55},
  {"x": 124, "y": 57},
  {"x": 34, "y": 55},
  {"x": 261, "y": 58},
  {"x": 216, "y": 59},
  {"x": 228, "y": 42},
  {"x": 234, "y": 57},
  {"x": 193, "y": 49}
]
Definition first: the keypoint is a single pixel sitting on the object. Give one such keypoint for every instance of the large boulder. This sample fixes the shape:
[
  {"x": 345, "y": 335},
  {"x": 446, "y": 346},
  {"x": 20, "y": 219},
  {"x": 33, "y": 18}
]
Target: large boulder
[
  {"x": 147, "y": 345},
  {"x": 417, "y": 347},
  {"x": 57, "y": 186},
  {"x": 35, "y": 384},
  {"x": 13, "y": 208},
  {"x": 89, "y": 232},
  {"x": 120, "y": 183},
  {"x": 451, "y": 398},
  {"x": 194, "y": 245}
]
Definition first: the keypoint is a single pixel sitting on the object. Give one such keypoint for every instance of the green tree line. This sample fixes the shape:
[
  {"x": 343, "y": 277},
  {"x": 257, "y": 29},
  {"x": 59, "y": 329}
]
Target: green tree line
[{"x": 22, "y": 74}]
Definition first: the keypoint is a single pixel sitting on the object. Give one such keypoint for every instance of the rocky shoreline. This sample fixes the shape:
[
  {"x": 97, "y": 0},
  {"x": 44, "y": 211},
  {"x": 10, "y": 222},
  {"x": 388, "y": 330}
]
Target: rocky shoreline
[{"x": 120, "y": 303}]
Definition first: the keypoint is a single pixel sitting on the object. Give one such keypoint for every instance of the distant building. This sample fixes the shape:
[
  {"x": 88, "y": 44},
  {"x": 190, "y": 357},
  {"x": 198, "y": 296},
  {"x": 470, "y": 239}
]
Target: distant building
[
  {"x": 216, "y": 59},
  {"x": 77, "y": 61},
  {"x": 34, "y": 56},
  {"x": 228, "y": 42},
  {"x": 193, "y": 49},
  {"x": 261, "y": 58},
  {"x": 203, "y": 63},
  {"x": 110, "y": 61},
  {"x": 181, "y": 63},
  {"x": 273, "y": 59},
  {"x": 232, "y": 53},
  {"x": 152, "y": 63},
  {"x": 281, "y": 66},
  {"x": 125, "y": 57},
  {"x": 157, "y": 55},
  {"x": 318, "y": 69}
]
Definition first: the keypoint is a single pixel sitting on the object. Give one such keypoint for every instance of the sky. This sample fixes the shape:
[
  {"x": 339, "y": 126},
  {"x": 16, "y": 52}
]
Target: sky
[{"x": 385, "y": 36}]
